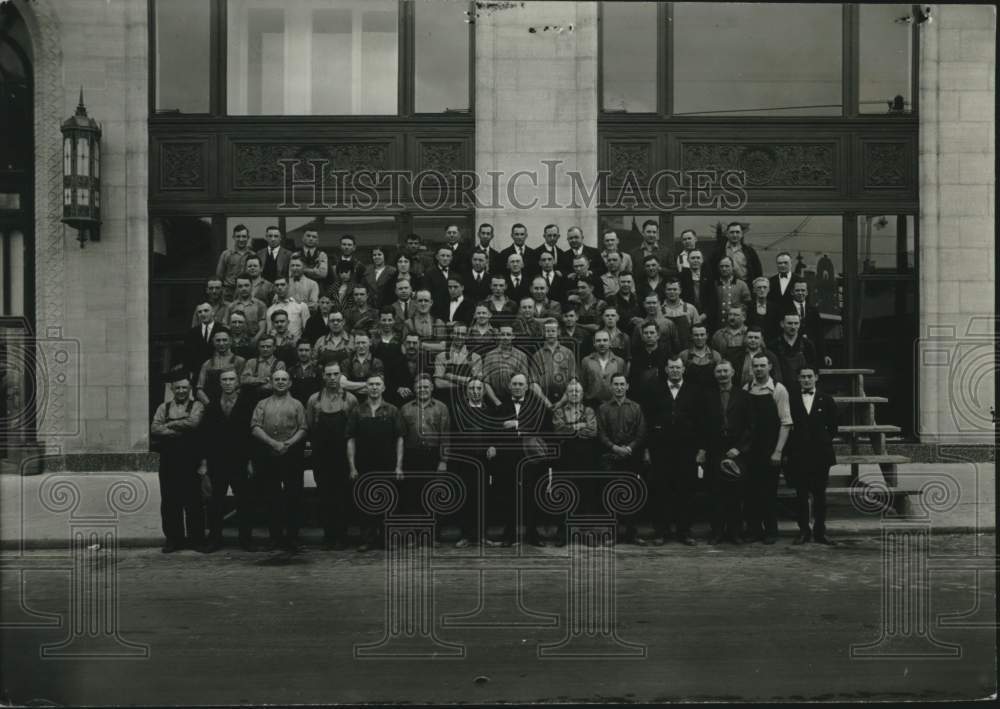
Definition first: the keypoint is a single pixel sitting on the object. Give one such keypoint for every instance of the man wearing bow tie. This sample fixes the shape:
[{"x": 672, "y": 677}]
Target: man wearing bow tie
[
  {"x": 810, "y": 454},
  {"x": 781, "y": 283}
]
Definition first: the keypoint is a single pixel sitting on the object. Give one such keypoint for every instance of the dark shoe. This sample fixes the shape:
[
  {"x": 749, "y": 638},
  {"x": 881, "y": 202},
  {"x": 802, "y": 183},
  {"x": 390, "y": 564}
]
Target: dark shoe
[
  {"x": 734, "y": 540},
  {"x": 823, "y": 539},
  {"x": 688, "y": 541},
  {"x": 715, "y": 540},
  {"x": 537, "y": 543},
  {"x": 272, "y": 545},
  {"x": 770, "y": 539},
  {"x": 247, "y": 545},
  {"x": 292, "y": 546},
  {"x": 213, "y": 545},
  {"x": 659, "y": 541},
  {"x": 560, "y": 541},
  {"x": 639, "y": 541},
  {"x": 169, "y": 548},
  {"x": 802, "y": 538}
]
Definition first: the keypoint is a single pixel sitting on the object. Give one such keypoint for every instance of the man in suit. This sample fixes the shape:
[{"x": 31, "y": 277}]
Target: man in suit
[
  {"x": 436, "y": 281},
  {"x": 689, "y": 242},
  {"x": 523, "y": 416},
  {"x": 519, "y": 235},
  {"x": 746, "y": 262},
  {"x": 780, "y": 292},
  {"x": 198, "y": 341},
  {"x": 477, "y": 284},
  {"x": 550, "y": 246},
  {"x": 651, "y": 246},
  {"x": 673, "y": 448},
  {"x": 811, "y": 324},
  {"x": 810, "y": 454},
  {"x": 698, "y": 289},
  {"x": 574, "y": 237},
  {"x": 274, "y": 257},
  {"x": 518, "y": 282},
  {"x": 725, "y": 434},
  {"x": 461, "y": 254},
  {"x": 458, "y": 309},
  {"x": 484, "y": 237},
  {"x": 555, "y": 282},
  {"x": 404, "y": 307}
]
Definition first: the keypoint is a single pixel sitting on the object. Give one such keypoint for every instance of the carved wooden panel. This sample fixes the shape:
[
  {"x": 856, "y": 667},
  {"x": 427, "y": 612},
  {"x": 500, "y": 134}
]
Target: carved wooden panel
[
  {"x": 768, "y": 165},
  {"x": 259, "y": 166},
  {"x": 444, "y": 156},
  {"x": 887, "y": 165},
  {"x": 182, "y": 166},
  {"x": 626, "y": 157}
]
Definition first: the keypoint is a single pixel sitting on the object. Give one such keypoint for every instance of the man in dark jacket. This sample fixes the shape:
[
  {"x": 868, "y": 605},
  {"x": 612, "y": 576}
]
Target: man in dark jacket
[
  {"x": 673, "y": 447},
  {"x": 226, "y": 430},
  {"x": 725, "y": 435},
  {"x": 810, "y": 453},
  {"x": 746, "y": 262}
]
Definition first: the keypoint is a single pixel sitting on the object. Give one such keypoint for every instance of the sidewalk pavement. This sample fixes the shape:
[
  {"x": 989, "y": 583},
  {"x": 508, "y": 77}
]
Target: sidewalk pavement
[{"x": 45, "y": 511}]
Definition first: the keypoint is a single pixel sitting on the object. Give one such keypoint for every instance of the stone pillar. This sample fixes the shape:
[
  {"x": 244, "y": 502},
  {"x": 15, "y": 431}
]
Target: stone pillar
[
  {"x": 955, "y": 365},
  {"x": 536, "y": 100}
]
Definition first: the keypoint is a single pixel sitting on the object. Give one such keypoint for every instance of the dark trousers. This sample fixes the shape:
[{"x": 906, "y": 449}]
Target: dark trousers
[
  {"x": 761, "y": 506},
  {"x": 501, "y": 498},
  {"x": 227, "y": 473},
  {"x": 727, "y": 498},
  {"x": 334, "y": 486},
  {"x": 812, "y": 481},
  {"x": 180, "y": 499},
  {"x": 420, "y": 462},
  {"x": 534, "y": 479},
  {"x": 672, "y": 480},
  {"x": 630, "y": 464},
  {"x": 279, "y": 479}
]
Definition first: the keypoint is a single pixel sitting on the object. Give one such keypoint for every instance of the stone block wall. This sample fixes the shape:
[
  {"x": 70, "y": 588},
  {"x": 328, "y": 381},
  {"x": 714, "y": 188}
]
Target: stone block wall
[
  {"x": 536, "y": 101},
  {"x": 95, "y": 297},
  {"x": 955, "y": 361}
]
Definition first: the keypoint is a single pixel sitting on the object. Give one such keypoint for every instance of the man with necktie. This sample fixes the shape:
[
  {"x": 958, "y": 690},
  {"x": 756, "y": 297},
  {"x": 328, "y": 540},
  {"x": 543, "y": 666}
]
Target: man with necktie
[
  {"x": 811, "y": 454},
  {"x": 519, "y": 235},
  {"x": 274, "y": 257}
]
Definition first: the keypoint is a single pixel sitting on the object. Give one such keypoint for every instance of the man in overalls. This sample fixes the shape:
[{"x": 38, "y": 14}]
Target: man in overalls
[
  {"x": 227, "y": 436},
  {"x": 327, "y": 412},
  {"x": 175, "y": 429},
  {"x": 279, "y": 425},
  {"x": 772, "y": 417},
  {"x": 374, "y": 445},
  {"x": 223, "y": 358}
]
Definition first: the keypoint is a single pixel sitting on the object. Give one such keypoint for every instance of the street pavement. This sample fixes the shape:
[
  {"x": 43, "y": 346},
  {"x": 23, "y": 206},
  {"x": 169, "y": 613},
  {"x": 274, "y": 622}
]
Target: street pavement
[{"x": 753, "y": 623}]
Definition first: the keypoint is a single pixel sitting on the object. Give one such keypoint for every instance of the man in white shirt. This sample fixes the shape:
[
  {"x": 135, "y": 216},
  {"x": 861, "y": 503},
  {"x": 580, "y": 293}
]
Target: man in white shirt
[
  {"x": 301, "y": 287},
  {"x": 772, "y": 417},
  {"x": 298, "y": 313}
]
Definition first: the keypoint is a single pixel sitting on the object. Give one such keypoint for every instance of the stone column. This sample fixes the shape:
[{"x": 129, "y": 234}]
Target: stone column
[
  {"x": 955, "y": 365},
  {"x": 536, "y": 100}
]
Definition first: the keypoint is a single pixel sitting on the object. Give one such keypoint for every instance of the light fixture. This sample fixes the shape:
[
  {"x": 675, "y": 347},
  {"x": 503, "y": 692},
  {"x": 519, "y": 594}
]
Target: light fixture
[{"x": 82, "y": 174}]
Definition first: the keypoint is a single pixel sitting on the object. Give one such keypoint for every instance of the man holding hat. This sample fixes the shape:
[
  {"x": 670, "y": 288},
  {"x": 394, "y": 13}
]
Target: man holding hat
[{"x": 725, "y": 440}]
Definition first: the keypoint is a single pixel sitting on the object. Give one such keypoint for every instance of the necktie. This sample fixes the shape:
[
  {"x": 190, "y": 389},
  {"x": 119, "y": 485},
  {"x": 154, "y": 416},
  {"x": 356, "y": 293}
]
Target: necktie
[
  {"x": 404, "y": 310},
  {"x": 205, "y": 329},
  {"x": 517, "y": 281},
  {"x": 802, "y": 310},
  {"x": 548, "y": 279}
]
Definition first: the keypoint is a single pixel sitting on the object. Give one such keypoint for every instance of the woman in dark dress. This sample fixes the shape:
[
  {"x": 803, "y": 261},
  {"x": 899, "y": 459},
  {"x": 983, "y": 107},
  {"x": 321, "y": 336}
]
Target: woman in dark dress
[{"x": 403, "y": 273}]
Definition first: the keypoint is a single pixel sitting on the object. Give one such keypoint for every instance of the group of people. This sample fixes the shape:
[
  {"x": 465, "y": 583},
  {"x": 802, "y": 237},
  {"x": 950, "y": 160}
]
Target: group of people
[{"x": 516, "y": 369}]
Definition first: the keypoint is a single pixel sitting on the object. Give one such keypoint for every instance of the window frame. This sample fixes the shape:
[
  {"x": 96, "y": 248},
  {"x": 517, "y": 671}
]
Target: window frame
[
  {"x": 218, "y": 98},
  {"x": 850, "y": 67}
]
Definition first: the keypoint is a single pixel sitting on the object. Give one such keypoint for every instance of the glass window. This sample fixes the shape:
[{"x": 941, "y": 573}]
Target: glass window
[
  {"x": 182, "y": 59},
  {"x": 441, "y": 56},
  {"x": 182, "y": 248},
  {"x": 886, "y": 59},
  {"x": 629, "y": 56},
  {"x": 757, "y": 59},
  {"x": 12, "y": 272},
  {"x": 885, "y": 244},
  {"x": 307, "y": 58},
  {"x": 816, "y": 245}
]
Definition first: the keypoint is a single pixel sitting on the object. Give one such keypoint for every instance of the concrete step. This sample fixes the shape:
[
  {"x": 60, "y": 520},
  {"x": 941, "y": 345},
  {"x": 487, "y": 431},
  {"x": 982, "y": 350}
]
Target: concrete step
[
  {"x": 872, "y": 459},
  {"x": 861, "y": 399},
  {"x": 869, "y": 428}
]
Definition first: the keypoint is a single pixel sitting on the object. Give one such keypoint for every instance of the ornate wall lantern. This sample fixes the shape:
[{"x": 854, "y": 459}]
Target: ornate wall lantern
[{"x": 82, "y": 174}]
